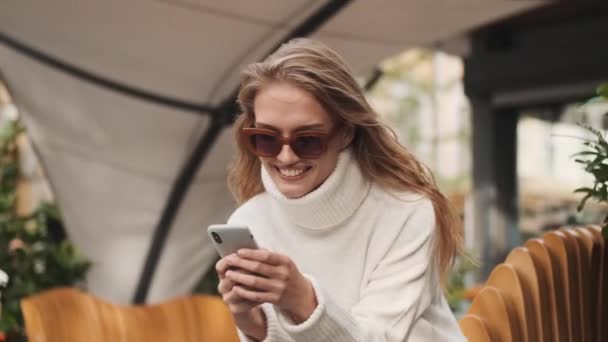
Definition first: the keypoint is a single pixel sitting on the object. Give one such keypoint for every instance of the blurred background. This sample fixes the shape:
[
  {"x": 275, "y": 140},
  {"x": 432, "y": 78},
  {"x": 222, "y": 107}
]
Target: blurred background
[{"x": 117, "y": 117}]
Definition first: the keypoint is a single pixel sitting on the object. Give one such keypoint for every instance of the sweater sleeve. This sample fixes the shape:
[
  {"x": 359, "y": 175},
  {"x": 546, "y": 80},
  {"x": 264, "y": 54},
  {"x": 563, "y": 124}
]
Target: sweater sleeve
[
  {"x": 274, "y": 332},
  {"x": 399, "y": 290}
]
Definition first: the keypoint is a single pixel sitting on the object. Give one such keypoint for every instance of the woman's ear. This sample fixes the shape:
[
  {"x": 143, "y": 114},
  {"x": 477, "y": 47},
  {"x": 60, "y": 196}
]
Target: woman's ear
[{"x": 347, "y": 135}]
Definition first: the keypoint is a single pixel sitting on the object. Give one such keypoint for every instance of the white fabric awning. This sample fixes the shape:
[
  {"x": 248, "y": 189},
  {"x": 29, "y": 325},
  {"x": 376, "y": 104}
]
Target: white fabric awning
[{"x": 112, "y": 159}]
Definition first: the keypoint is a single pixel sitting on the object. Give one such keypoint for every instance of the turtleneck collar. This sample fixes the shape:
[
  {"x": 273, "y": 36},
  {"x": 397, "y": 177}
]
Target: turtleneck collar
[{"x": 330, "y": 204}]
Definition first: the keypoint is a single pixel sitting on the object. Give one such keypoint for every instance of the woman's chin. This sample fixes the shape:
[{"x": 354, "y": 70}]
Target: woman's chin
[{"x": 291, "y": 191}]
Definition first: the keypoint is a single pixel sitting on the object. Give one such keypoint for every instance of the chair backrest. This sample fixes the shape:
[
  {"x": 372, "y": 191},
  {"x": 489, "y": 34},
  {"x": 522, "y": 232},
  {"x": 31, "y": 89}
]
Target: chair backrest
[
  {"x": 600, "y": 259},
  {"x": 490, "y": 306},
  {"x": 473, "y": 329},
  {"x": 553, "y": 308},
  {"x": 564, "y": 280},
  {"x": 590, "y": 271},
  {"x": 579, "y": 292},
  {"x": 69, "y": 315},
  {"x": 552, "y": 289},
  {"x": 505, "y": 279},
  {"x": 537, "y": 318}
]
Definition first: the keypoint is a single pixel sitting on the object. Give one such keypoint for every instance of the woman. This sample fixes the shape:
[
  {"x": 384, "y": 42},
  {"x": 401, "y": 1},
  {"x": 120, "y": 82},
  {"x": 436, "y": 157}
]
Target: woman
[{"x": 356, "y": 236}]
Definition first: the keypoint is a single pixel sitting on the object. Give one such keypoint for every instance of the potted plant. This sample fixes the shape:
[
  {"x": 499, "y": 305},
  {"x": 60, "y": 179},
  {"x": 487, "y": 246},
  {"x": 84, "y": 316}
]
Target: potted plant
[
  {"x": 32, "y": 258},
  {"x": 594, "y": 158}
]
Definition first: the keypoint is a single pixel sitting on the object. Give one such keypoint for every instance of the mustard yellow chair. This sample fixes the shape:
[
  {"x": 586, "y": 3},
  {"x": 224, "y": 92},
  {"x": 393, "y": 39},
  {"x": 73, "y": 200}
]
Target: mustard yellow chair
[
  {"x": 69, "y": 315},
  {"x": 565, "y": 280},
  {"x": 490, "y": 306},
  {"x": 589, "y": 269},
  {"x": 554, "y": 308},
  {"x": 534, "y": 295},
  {"x": 505, "y": 279},
  {"x": 553, "y": 288},
  {"x": 579, "y": 293},
  {"x": 599, "y": 255},
  {"x": 474, "y": 329}
]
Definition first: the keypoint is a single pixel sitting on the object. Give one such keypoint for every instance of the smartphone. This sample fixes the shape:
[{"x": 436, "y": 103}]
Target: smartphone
[{"x": 229, "y": 238}]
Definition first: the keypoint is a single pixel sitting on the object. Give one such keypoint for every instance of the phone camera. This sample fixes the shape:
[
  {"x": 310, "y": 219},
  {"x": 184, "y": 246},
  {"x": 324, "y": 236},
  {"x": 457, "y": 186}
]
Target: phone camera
[{"x": 216, "y": 237}]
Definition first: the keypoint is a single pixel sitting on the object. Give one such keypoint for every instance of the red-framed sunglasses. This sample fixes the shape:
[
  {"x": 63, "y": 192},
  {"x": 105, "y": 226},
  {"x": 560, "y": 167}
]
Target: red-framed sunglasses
[{"x": 268, "y": 143}]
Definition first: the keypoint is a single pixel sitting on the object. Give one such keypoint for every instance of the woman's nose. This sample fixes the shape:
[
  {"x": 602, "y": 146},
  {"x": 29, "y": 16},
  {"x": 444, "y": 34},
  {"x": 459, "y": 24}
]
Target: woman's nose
[{"x": 287, "y": 156}]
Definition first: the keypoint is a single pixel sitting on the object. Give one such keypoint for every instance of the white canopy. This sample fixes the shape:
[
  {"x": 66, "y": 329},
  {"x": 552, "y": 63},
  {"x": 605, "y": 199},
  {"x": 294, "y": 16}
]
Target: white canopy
[{"x": 112, "y": 158}]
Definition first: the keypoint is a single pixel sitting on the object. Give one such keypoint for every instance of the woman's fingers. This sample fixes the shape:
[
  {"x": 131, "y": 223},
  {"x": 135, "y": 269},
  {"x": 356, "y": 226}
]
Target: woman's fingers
[
  {"x": 221, "y": 267},
  {"x": 261, "y": 276},
  {"x": 224, "y": 286},
  {"x": 254, "y": 282},
  {"x": 238, "y": 304},
  {"x": 256, "y": 267},
  {"x": 263, "y": 255},
  {"x": 256, "y": 296},
  {"x": 231, "y": 297},
  {"x": 241, "y": 307}
]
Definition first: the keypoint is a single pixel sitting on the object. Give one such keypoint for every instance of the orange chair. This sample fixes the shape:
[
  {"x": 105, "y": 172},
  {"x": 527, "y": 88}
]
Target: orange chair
[
  {"x": 490, "y": 306},
  {"x": 553, "y": 307},
  {"x": 69, "y": 315},
  {"x": 601, "y": 298},
  {"x": 552, "y": 289},
  {"x": 580, "y": 291},
  {"x": 505, "y": 279},
  {"x": 565, "y": 280},
  {"x": 590, "y": 269},
  {"x": 473, "y": 329},
  {"x": 538, "y": 320}
]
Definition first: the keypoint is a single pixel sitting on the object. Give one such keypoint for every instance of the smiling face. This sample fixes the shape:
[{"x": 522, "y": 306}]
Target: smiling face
[{"x": 286, "y": 109}]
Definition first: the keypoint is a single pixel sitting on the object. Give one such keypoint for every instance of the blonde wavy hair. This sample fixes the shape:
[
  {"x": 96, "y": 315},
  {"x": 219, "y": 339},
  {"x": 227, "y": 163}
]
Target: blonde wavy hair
[{"x": 312, "y": 66}]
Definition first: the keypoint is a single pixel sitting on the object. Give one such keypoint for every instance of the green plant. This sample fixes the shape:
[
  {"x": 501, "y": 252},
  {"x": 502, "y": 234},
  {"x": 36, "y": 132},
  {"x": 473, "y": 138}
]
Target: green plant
[
  {"x": 595, "y": 161},
  {"x": 33, "y": 259},
  {"x": 456, "y": 284}
]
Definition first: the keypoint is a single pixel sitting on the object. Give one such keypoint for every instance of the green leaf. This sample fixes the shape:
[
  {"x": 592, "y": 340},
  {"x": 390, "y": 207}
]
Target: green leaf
[
  {"x": 583, "y": 190},
  {"x": 600, "y": 174},
  {"x": 605, "y": 232},
  {"x": 602, "y": 195},
  {"x": 594, "y": 163},
  {"x": 602, "y": 90},
  {"x": 585, "y": 153},
  {"x": 581, "y": 205}
]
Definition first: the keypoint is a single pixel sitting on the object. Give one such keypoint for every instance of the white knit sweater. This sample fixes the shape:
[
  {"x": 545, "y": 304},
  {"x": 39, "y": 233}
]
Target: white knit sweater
[{"x": 368, "y": 254}]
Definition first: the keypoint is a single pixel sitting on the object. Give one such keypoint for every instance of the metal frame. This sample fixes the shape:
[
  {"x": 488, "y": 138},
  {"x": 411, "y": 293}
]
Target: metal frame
[{"x": 100, "y": 81}]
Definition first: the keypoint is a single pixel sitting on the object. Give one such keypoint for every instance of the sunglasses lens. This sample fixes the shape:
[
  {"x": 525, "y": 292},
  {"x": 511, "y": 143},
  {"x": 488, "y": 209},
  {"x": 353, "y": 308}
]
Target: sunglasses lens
[
  {"x": 269, "y": 144},
  {"x": 265, "y": 144},
  {"x": 307, "y": 146}
]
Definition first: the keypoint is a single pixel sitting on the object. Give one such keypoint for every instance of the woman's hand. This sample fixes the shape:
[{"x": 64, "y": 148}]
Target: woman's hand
[
  {"x": 267, "y": 277},
  {"x": 248, "y": 315}
]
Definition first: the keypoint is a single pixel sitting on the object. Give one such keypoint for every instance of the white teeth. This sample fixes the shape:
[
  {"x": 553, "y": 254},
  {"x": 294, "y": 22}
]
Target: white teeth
[{"x": 291, "y": 172}]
